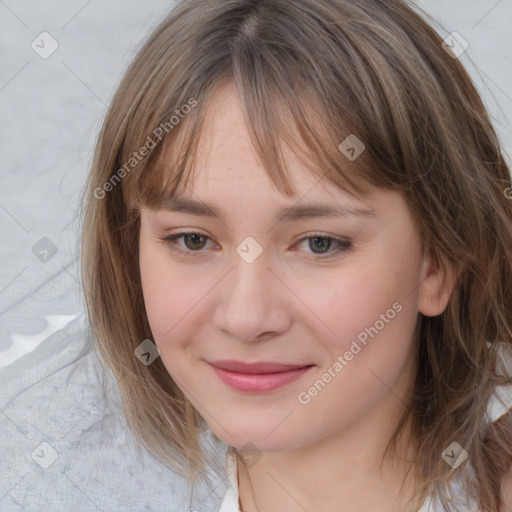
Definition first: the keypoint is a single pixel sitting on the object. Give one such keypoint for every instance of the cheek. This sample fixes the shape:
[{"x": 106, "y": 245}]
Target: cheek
[
  {"x": 154, "y": 280},
  {"x": 171, "y": 302},
  {"x": 177, "y": 300},
  {"x": 168, "y": 293},
  {"x": 360, "y": 296},
  {"x": 373, "y": 315}
]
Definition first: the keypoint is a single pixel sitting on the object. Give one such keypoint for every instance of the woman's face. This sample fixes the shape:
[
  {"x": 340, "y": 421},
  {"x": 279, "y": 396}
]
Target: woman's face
[{"x": 265, "y": 280}]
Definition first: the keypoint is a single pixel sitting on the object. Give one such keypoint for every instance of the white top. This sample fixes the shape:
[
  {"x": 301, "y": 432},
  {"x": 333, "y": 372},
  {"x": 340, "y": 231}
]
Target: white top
[{"x": 498, "y": 405}]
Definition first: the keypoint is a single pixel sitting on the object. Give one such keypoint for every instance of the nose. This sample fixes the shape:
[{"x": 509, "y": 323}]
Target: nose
[{"x": 254, "y": 304}]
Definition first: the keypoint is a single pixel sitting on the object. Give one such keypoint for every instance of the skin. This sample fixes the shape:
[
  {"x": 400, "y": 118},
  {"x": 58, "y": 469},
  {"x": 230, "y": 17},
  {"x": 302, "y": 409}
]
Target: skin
[{"x": 288, "y": 306}]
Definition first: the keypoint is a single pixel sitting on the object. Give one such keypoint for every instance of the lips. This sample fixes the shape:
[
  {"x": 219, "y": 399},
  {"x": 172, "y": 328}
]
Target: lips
[
  {"x": 264, "y": 367},
  {"x": 262, "y": 376}
]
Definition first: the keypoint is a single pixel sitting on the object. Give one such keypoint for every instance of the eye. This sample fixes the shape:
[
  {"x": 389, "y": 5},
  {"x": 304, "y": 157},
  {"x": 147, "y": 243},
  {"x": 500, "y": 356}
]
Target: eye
[
  {"x": 195, "y": 242},
  {"x": 323, "y": 243}
]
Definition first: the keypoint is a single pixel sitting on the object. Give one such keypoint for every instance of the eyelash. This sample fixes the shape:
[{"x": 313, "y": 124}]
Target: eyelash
[{"x": 170, "y": 242}]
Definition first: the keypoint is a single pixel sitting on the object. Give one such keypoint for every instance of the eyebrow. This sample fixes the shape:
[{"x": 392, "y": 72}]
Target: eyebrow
[{"x": 297, "y": 212}]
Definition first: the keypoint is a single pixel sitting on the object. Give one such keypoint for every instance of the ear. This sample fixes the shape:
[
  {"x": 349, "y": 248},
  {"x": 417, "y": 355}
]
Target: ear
[{"x": 436, "y": 284}]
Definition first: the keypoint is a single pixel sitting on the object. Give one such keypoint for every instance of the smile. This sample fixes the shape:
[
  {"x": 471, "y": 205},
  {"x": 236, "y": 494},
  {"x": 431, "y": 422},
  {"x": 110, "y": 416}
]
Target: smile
[{"x": 257, "y": 377}]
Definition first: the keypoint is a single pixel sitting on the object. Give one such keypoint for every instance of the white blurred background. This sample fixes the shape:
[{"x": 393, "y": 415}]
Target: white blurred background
[{"x": 52, "y": 108}]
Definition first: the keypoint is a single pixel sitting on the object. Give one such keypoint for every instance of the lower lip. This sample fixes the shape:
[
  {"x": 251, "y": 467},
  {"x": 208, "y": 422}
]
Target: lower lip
[{"x": 259, "y": 381}]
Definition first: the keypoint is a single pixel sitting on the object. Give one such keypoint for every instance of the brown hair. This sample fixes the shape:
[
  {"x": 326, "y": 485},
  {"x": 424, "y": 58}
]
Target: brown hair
[{"x": 371, "y": 68}]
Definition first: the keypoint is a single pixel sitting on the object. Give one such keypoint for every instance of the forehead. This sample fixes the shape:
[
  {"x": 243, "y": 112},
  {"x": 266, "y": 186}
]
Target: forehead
[
  {"x": 229, "y": 177},
  {"x": 232, "y": 149},
  {"x": 226, "y": 158},
  {"x": 229, "y": 174}
]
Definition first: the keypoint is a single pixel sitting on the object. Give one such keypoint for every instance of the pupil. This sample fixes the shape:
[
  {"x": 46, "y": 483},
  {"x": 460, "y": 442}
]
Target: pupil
[{"x": 188, "y": 237}]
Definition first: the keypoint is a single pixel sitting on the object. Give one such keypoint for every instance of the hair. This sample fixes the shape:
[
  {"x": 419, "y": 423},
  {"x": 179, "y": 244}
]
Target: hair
[{"x": 309, "y": 74}]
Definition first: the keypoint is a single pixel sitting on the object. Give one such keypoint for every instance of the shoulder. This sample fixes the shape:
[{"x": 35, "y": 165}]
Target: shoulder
[{"x": 64, "y": 441}]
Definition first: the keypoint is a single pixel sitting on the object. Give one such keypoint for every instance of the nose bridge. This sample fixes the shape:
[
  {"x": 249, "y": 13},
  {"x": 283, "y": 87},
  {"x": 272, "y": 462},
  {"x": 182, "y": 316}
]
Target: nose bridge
[
  {"x": 251, "y": 273},
  {"x": 251, "y": 300}
]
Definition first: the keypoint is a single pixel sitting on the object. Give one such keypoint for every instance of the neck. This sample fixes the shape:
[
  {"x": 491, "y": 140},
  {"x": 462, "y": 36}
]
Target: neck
[{"x": 340, "y": 471}]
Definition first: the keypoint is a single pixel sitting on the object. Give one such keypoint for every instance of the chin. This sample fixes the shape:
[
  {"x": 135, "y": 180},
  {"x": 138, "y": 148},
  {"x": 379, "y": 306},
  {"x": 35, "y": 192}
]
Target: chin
[{"x": 255, "y": 438}]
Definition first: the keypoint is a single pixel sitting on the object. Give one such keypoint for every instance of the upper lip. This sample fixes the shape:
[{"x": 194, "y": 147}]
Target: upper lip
[{"x": 261, "y": 367}]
